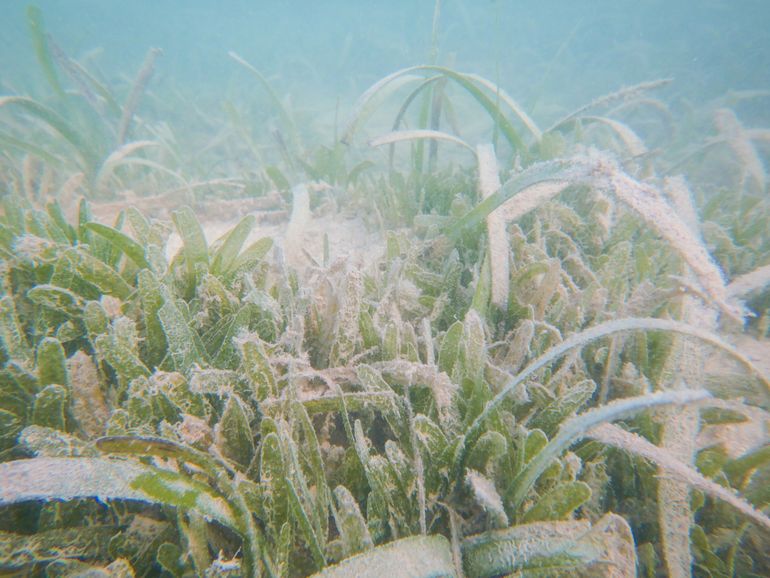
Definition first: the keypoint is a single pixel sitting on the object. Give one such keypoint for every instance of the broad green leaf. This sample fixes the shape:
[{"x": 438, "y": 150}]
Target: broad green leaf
[
  {"x": 558, "y": 503},
  {"x": 121, "y": 243},
  {"x": 234, "y": 435},
  {"x": 256, "y": 366},
  {"x": 51, "y": 407},
  {"x": 11, "y": 333},
  {"x": 194, "y": 248},
  {"x": 57, "y": 299},
  {"x": 51, "y": 363},
  {"x": 449, "y": 351},
  {"x": 350, "y": 522},
  {"x": 225, "y": 255}
]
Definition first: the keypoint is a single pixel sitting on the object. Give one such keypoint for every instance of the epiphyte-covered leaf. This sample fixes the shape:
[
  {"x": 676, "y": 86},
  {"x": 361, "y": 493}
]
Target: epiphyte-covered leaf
[
  {"x": 106, "y": 479},
  {"x": 89, "y": 407},
  {"x": 256, "y": 365},
  {"x": 12, "y": 337},
  {"x": 184, "y": 344},
  {"x": 120, "y": 348},
  {"x": 486, "y": 495},
  {"x": 121, "y": 242},
  {"x": 414, "y": 557},
  {"x": 449, "y": 350},
  {"x": 491, "y": 446},
  {"x": 152, "y": 300},
  {"x": 351, "y": 523},
  {"x": 559, "y": 502},
  {"x": 195, "y": 248},
  {"x": 51, "y": 365},
  {"x": 57, "y": 299},
  {"x": 51, "y": 406},
  {"x": 230, "y": 245},
  {"x": 233, "y": 433}
]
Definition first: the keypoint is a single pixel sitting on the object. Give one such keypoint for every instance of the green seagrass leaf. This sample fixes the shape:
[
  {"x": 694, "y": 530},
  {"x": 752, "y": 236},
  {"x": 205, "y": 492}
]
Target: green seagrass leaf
[
  {"x": 121, "y": 242},
  {"x": 351, "y": 523},
  {"x": 106, "y": 479},
  {"x": 230, "y": 245},
  {"x": 256, "y": 366},
  {"x": 12, "y": 337},
  {"x": 449, "y": 351},
  {"x": 558, "y": 503},
  {"x": 234, "y": 436},
  {"x": 51, "y": 363},
  {"x": 50, "y": 409}
]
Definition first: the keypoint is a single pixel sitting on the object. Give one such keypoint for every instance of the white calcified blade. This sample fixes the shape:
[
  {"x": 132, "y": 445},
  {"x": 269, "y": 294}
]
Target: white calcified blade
[
  {"x": 737, "y": 137},
  {"x": 613, "y": 435},
  {"x": 630, "y": 139},
  {"x": 300, "y": 215},
  {"x": 417, "y": 134},
  {"x": 656, "y": 211},
  {"x": 489, "y": 183},
  {"x": 753, "y": 281},
  {"x": 530, "y": 198},
  {"x": 678, "y": 192}
]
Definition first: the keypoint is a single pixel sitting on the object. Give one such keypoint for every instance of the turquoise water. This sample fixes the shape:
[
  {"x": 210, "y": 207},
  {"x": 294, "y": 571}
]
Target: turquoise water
[{"x": 549, "y": 55}]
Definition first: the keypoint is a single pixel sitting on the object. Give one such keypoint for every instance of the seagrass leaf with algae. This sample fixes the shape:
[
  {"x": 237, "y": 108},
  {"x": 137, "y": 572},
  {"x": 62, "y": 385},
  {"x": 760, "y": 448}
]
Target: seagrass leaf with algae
[{"x": 107, "y": 479}]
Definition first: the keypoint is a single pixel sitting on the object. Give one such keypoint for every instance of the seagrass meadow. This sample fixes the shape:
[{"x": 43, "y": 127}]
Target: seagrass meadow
[{"x": 401, "y": 310}]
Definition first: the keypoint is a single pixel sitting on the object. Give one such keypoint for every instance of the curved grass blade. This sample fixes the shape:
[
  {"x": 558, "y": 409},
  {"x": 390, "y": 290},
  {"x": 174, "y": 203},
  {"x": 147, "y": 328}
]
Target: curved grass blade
[
  {"x": 116, "y": 158},
  {"x": 627, "y": 93},
  {"x": 56, "y": 122},
  {"x": 286, "y": 118},
  {"x": 407, "y": 135},
  {"x": 474, "y": 85},
  {"x": 10, "y": 141},
  {"x": 42, "y": 50}
]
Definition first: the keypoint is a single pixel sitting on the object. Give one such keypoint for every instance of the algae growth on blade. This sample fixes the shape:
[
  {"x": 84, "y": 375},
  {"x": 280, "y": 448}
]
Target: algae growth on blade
[{"x": 384, "y": 289}]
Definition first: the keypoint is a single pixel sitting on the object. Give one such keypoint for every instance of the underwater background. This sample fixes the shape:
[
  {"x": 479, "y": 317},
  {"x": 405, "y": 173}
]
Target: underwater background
[
  {"x": 545, "y": 54},
  {"x": 364, "y": 288}
]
